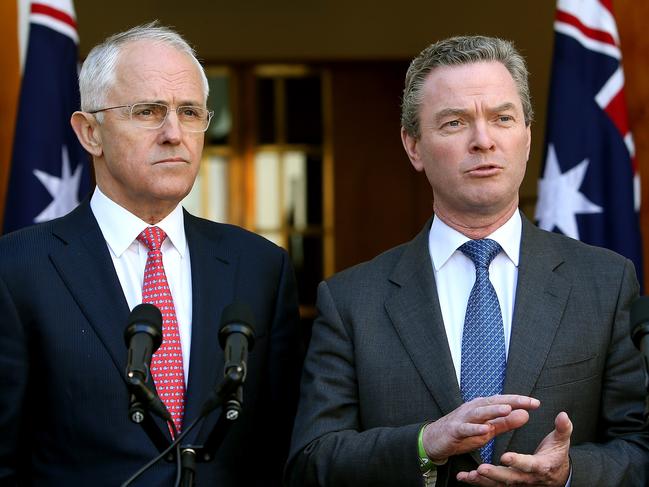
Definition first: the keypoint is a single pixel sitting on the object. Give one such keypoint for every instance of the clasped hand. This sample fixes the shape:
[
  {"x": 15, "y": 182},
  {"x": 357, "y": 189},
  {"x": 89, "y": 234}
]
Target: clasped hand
[{"x": 476, "y": 422}]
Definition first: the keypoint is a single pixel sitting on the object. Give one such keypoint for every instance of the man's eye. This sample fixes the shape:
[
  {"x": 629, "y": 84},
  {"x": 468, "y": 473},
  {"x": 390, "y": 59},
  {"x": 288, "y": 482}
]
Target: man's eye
[
  {"x": 190, "y": 112},
  {"x": 147, "y": 111}
]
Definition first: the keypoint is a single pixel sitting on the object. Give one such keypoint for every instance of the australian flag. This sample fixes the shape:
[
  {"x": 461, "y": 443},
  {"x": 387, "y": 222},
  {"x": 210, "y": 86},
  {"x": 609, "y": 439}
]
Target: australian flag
[
  {"x": 49, "y": 169},
  {"x": 590, "y": 188}
]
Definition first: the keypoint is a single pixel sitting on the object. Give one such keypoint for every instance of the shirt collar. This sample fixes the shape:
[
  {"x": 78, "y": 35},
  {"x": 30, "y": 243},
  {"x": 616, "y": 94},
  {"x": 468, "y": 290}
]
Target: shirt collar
[
  {"x": 444, "y": 240},
  {"x": 120, "y": 227}
]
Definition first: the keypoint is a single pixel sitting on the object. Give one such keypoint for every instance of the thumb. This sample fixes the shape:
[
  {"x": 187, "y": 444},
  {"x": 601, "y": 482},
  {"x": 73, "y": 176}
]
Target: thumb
[{"x": 563, "y": 426}]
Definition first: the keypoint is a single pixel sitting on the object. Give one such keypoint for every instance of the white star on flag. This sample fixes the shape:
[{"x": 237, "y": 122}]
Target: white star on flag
[
  {"x": 559, "y": 197},
  {"x": 64, "y": 190}
]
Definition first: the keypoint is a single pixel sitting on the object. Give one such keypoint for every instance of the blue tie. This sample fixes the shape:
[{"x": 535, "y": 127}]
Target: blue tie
[{"x": 482, "y": 372}]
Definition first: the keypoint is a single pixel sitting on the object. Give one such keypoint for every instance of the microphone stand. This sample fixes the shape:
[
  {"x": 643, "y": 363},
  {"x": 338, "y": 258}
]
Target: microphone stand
[
  {"x": 228, "y": 393},
  {"x": 143, "y": 400},
  {"x": 225, "y": 392}
]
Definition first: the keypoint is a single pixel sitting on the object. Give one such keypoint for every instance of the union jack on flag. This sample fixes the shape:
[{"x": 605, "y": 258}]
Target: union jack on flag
[
  {"x": 590, "y": 187},
  {"x": 49, "y": 168}
]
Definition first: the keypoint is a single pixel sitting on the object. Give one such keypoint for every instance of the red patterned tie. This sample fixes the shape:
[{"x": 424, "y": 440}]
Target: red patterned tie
[{"x": 167, "y": 362}]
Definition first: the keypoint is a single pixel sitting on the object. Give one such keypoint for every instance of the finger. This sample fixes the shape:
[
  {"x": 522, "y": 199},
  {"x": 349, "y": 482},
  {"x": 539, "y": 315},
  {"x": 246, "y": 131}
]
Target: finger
[
  {"x": 524, "y": 463},
  {"x": 474, "y": 478},
  {"x": 539, "y": 468},
  {"x": 503, "y": 475},
  {"x": 466, "y": 430},
  {"x": 514, "y": 400},
  {"x": 563, "y": 426},
  {"x": 443, "y": 439},
  {"x": 482, "y": 414},
  {"x": 515, "y": 419}
]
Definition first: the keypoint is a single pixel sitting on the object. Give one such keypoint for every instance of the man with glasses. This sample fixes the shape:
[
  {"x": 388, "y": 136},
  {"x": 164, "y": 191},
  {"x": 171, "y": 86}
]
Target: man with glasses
[{"x": 67, "y": 288}]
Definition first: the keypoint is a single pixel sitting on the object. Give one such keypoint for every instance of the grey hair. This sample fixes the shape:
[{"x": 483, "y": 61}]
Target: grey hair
[
  {"x": 457, "y": 51},
  {"x": 97, "y": 74}
]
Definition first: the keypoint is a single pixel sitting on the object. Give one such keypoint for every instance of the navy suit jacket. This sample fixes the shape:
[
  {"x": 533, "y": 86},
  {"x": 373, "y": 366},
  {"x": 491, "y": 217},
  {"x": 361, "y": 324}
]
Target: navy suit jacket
[{"x": 63, "y": 398}]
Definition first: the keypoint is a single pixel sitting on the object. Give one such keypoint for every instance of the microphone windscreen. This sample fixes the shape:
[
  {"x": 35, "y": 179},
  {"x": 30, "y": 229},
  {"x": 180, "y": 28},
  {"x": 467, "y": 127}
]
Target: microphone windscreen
[
  {"x": 144, "y": 318},
  {"x": 146, "y": 313},
  {"x": 237, "y": 313},
  {"x": 237, "y": 318}
]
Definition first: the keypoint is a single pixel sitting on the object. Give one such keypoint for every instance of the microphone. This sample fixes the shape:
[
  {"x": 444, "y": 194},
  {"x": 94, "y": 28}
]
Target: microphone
[
  {"x": 640, "y": 326},
  {"x": 236, "y": 337},
  {"x": 143, "y": 336}
]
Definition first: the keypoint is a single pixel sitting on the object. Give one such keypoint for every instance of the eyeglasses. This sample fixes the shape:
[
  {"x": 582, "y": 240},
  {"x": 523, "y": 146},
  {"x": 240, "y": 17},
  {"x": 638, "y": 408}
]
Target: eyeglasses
[{"x": 153, "y": 115}]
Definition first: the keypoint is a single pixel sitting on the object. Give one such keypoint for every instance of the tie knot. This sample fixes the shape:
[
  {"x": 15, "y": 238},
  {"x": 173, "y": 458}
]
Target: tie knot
[
  {"x": 481, "y": 252},
  {"x": 152, "y": 237}
]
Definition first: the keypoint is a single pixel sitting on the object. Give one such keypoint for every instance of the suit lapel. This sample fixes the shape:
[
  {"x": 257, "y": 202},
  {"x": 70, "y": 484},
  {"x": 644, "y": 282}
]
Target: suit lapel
[
  {"x": 541, "y": 297},
  {"x": 213, "y": 283},
  {"x": 415, "y": 313},
  {"x": 87, "y": 270}
]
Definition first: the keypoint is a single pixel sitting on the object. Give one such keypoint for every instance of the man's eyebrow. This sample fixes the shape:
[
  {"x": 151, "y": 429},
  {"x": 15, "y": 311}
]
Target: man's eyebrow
[
  {"x": 190, "y": 103},
  {"x": 449, "y": 112},
  {"x": 461, "y": 112},
  {"x": 180, "y": 104},
  {"x": 504, "y": 107}
]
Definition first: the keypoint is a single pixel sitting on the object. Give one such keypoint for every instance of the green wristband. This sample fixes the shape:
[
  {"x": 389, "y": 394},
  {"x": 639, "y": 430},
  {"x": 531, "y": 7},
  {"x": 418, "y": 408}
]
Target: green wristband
[{"x": 426, "y": 465}]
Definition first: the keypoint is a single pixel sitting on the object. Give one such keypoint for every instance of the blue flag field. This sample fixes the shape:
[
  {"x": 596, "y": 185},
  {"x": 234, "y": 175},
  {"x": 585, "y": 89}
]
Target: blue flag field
[
  {"x": 589, "y": 189},
  {"x": 49, "y": 169}
]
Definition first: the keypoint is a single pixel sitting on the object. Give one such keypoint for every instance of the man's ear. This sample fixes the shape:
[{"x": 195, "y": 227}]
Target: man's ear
[
  {"x": 88, "y": 132},
  {"x": 410, "y": 145}
]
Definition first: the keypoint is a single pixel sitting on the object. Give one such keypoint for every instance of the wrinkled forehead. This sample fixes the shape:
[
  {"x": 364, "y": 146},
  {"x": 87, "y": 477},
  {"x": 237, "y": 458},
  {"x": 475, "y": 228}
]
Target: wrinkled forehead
[{"x": 487, "y": 80}]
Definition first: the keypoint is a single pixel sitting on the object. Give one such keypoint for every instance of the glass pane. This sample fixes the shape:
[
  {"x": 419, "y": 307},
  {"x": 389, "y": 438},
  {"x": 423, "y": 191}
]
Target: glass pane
[
  {"x": 303, "y": 110},
  {"x": 314, "y": 190},
  {"x": 266, "y": 130},
  {"x": 216, "y": 179},
  {"x": 267, "y": 191},
  {"x": 219, "y": 101},
  {"x": 193, "y": 201},
  {"x": 209, "y": 196},
  {"x": 295, "y": 185}
]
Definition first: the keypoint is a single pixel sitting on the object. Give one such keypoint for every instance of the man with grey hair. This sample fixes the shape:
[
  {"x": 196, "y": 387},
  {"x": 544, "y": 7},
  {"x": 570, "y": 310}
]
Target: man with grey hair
[
  {"x": 485, "y": 351},
  {"x": 67, "y": 288}
]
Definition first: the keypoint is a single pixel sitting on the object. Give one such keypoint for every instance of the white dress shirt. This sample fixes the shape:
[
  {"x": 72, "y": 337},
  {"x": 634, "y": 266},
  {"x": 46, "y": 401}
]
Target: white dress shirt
[
  {"x": 455, "y": 276},
  {"x": 120, "y": 228}
]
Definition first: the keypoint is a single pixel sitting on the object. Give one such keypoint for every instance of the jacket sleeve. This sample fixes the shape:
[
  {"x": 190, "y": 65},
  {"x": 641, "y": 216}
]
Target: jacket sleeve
[
  {"x": 280, "y": 390},
  {"x": 621, "y": 456},
  {"x": 329, "y": 446},
  {"x": 13, "y": 384}
]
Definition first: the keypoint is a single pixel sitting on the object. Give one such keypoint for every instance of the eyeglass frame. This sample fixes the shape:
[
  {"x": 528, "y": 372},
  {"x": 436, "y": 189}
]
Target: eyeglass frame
[{"x": 210, "y": 114}]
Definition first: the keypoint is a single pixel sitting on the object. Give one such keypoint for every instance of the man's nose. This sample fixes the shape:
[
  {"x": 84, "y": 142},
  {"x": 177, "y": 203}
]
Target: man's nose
[
  {"x": 171, "y": 130},
  {"x": 482, "y": 139}
]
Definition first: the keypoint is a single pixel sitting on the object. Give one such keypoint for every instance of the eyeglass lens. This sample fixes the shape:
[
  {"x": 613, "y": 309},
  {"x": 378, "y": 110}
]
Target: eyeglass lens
[{"x": 152, "y": 115}]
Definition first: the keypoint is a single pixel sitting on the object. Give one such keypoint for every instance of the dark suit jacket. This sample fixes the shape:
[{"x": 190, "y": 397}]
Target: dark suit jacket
[
  {"x": 379, "y": 367},
  {"x": 63, "y": 400}
]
